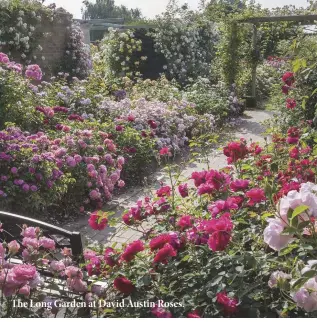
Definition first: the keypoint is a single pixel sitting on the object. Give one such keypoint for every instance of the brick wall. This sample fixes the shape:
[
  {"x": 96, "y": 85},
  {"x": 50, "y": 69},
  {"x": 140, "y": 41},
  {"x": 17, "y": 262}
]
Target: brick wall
[{"x": 54, "y": 43}]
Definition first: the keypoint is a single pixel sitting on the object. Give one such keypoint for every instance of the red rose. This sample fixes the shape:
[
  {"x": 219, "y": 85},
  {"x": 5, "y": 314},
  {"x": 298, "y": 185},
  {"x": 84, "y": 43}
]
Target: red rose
[
  {"x": 230, "y": 305},
  {"x": 98, "y": 221},
  {"x": 183, "y": 190},
  {"x": 123, "y": 285},
  {"x": 288, "y": 78},
  {"x": 164, "y": 253},
  {"x": 255, "y": 195}
]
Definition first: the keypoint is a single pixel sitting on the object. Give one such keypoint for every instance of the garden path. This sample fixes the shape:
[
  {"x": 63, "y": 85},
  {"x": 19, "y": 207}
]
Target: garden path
[{"x": 249, "y": 127}]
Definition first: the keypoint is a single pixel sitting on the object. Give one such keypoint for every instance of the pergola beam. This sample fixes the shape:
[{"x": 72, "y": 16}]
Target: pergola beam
[{"x": 305, "y": 19}]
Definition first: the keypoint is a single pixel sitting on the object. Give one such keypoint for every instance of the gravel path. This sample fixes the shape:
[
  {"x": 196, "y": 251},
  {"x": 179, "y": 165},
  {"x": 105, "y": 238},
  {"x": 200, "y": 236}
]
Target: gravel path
[{"x": 249, "y": 128}]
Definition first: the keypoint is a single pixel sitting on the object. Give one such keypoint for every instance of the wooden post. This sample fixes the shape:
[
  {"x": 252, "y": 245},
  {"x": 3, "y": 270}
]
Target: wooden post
[{"x": 255, "y": 35}]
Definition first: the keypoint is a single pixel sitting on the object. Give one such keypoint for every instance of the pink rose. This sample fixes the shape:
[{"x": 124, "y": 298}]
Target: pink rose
[
  {"x": 24, "y": 272},
  {"x": 14, "y": 247},
  {"x": 47, "y": 243}
]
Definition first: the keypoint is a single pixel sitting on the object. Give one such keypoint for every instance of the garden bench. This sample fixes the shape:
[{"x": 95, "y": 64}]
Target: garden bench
[
  {"x": 12, "y": 227},
  {"x": 11, "y": 230}
]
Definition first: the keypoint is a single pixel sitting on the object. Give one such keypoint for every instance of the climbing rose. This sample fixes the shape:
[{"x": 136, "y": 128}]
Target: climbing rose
[
  {"x": 183, "y": 190},
  {"x": 229, "y": 304},
  {"x": 164, "y": 253},
  {"x": 98, "y": 221},
  {"x": 30, "y": 242},
  {"x": 255, "y": 195},
  {"x": 131, "y": 250},
  {"x": 123, "y": 285}
]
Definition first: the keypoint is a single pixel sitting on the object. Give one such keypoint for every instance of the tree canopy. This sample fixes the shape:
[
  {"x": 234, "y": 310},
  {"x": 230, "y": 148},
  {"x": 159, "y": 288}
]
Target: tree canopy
[{"x": 103, "y": 9}]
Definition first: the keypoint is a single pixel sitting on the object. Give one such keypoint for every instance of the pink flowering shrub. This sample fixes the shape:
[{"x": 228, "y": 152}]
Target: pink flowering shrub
[
  {"x": 45, "y": 170},
  {"x": 25, "y": 280}
]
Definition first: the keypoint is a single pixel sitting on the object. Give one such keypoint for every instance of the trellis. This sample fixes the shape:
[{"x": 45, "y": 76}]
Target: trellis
[{"x": 255, "y": 21}]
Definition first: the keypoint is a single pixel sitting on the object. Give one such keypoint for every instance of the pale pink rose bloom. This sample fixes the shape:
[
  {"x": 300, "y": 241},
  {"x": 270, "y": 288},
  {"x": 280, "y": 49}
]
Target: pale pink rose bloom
[
  {"x": 273, "y": 237},
  {"x": 57, "y": 266},
  {"x": 30, "y": 232},
  {"x": 8, "y": 278},
  {"x": 14, "y": 247},
  {"x": 26, "y": 255},
  {"x": 89, "y": 254},
  {"x": 30, "y": 242},
  {"x": 36, "y": 281},
  {"x": 306, "y": 300},
  {"x": 292, "y": 200},
  {"x": 77, "y": 284},
  {"x": 66, "y": 251},
  {"x": 305, "y": 196},
  {"x": 24, "y": 272},
  {"x": 47, "y": 243},
  {"x": 276, "y": 277},
  {"x": 301, "y": 297},
  {"x": 25, "y": 290},
  {"x": 73, "y": 271}
]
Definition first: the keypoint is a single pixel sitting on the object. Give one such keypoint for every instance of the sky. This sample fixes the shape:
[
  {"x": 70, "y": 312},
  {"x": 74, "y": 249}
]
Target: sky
[{"x": 150, "y": 8}]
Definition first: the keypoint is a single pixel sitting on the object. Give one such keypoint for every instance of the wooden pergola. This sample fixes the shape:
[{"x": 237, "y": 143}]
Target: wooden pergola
[{"x": 255, "y": 21}]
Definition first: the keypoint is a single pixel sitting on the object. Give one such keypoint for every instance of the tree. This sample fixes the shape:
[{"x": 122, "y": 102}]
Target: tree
[{"x": 104, "y": 9}]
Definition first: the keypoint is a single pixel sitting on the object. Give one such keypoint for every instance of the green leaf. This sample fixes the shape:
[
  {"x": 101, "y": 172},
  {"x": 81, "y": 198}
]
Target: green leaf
[
  {"x": 288, "y": 249},
  {"x": 303, "y": 224},
  {"x": 300, "y": 282},
  {"x": 185, "y": 258},
  {"x": 299, "y": 210},
  {"x": 266, "y": 215},
  {"x": 310, "y": 274}
]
